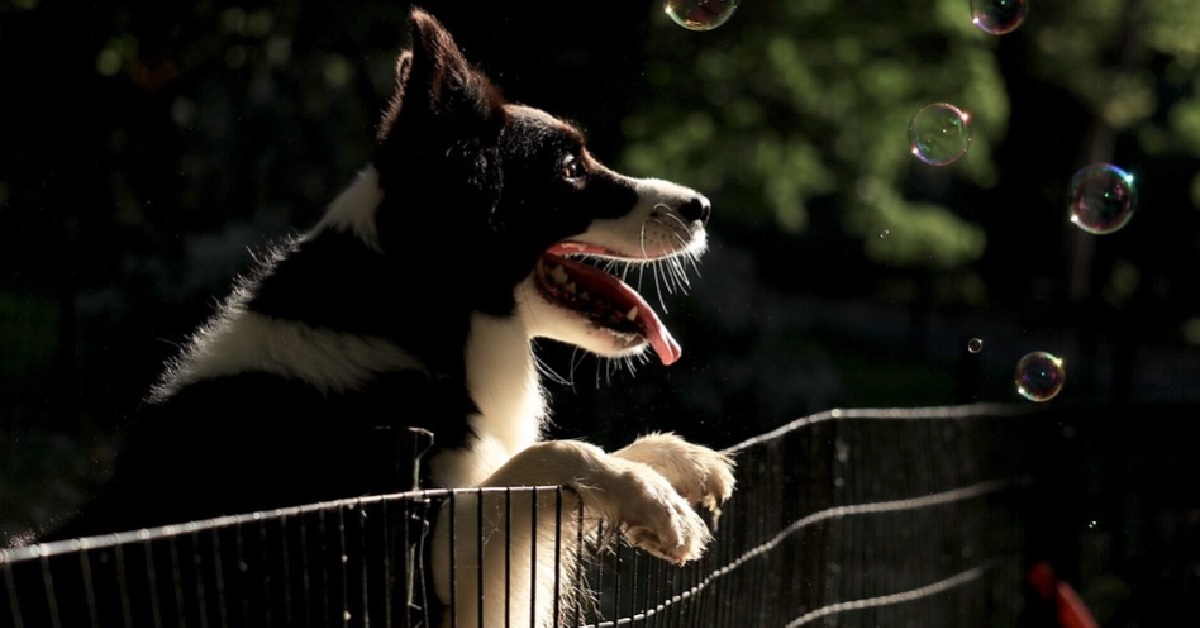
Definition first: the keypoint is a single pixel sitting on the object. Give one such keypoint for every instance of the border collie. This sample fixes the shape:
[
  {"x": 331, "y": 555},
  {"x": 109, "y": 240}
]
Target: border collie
[{"x": 480, "y": 226}]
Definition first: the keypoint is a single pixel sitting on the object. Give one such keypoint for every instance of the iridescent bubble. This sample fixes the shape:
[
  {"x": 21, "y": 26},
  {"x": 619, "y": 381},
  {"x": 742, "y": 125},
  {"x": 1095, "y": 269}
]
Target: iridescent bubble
[
  {"x": 975, "y": 345},
  {"x": 939, "y": 134},
  {"x": 998, "y": 16},
  {"x": 1040, "y": 376},
  {"x": 1101, "y": 198},
  {"x": 701, "y": 15}
]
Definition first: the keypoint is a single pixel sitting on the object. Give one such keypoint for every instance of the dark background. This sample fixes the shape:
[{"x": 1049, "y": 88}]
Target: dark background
[{"x": 146, "y": 147}]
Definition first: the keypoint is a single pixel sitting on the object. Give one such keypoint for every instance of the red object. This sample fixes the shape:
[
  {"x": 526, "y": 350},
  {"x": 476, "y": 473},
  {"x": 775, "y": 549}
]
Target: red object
[
  {"x": 1043, "y": 579},
  {"x": 1072, "y": 612}
]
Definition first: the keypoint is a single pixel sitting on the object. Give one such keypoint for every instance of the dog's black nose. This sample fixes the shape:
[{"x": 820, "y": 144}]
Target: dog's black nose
[{"x": 696, "y": 208}]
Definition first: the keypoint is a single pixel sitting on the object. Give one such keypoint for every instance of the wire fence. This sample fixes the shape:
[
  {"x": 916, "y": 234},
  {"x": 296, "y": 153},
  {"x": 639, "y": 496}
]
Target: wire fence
[
  {"x": 893, "y": 518},
  {"x": 853, "y": 518}
]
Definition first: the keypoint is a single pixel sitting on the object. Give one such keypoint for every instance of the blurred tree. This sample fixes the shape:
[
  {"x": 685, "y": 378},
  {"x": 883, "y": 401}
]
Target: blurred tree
[
  {"x": 794, "y": 108},
  {"x": 794, "y": 118},
  {"x": 790, "y": 106},
  {"x": 1132, "y": 67}
]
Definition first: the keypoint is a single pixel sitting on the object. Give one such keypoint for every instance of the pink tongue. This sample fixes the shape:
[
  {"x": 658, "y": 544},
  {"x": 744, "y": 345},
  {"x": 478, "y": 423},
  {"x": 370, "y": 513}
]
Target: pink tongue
[
  {"x": 664, "y": 344},
  {"x": 596, "y": 280}
]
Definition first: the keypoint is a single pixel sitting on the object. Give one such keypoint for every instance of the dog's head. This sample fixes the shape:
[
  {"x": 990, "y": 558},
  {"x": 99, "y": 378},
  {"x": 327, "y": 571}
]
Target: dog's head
[{"x": 512, "y": 191}]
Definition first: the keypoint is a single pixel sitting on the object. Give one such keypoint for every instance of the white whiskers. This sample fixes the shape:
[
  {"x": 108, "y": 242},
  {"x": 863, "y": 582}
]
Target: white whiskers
[
  {"x": 549, "y": 373},
  {"x": 670, "y": 273}
]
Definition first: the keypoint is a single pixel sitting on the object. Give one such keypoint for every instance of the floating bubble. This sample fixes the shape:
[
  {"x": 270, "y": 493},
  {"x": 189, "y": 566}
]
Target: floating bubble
[
  {"x": 975, "y": 345},
  {"x": 998, "y": 17},
  {"x": 1101, "y": 198},
  {"x": 939, "y": 134},
  {"x": 1040, "y": 376},
  {"x": 701, "y": 15}
]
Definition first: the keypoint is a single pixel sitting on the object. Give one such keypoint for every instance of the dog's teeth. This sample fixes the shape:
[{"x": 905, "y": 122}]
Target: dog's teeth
[
  {"x": 631, "y": 315},
  {"x": 570, "y": 287},
  {"x": 558, "y": 274}
]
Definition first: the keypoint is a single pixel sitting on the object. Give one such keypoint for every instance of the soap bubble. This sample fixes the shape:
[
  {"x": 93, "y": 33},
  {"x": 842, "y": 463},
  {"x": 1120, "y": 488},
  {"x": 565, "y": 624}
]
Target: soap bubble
[
  {"x": 1101, "y": 198},
  {"x": 939, "y": 134},
  {"x": 975, "y": 345},
  {"x": 998, "y": 17},
  {"x": 701, "y": 15},
  {"x": 1040, "y": 376}
]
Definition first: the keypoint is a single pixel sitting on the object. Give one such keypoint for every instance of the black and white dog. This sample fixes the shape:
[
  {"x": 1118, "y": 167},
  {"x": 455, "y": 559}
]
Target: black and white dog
[{"x": 414, "y": 302}]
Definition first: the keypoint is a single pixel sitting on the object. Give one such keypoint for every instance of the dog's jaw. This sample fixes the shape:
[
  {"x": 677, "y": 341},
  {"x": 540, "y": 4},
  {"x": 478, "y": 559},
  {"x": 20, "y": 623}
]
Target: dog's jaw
[
  {"x": 656, "y": 231},
  {"x": 545, "y": 319}
]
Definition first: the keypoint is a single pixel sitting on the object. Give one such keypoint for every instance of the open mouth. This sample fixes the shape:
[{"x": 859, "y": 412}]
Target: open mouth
[{"x": 601, "y": 297}]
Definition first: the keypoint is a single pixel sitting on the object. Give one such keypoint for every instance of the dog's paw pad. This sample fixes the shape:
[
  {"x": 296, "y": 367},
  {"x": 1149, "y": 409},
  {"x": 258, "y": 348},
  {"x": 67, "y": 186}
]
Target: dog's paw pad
[
  {"x": 647, "y": 539},
  {"x": 678, "y": 553}
]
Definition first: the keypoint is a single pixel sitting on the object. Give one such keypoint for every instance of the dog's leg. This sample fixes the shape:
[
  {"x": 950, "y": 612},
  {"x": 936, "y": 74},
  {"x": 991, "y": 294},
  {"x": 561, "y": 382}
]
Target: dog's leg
[
  {"x": 523, "y": 575},
  {"x": 623, "y": 493},
  {"x": 702, "y": 476}
]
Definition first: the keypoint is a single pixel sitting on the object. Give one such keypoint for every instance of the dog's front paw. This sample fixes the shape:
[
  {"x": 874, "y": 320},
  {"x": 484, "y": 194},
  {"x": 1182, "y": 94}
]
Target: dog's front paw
[
  {"x": 699, "y": 474},
  {"x": 657, "y": 519}
]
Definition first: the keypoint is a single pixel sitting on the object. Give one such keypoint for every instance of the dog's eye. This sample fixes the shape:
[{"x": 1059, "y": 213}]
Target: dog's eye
[{"x": 571, "y": 168}]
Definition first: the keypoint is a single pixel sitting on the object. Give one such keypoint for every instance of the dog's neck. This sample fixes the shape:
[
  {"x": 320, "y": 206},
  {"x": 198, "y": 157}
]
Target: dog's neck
[{"x": 503, "y": 382}]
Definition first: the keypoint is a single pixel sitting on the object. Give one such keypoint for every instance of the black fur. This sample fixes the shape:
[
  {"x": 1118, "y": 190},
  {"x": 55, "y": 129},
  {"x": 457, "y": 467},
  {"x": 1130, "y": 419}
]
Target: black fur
[
  {"x": 473, "y": 194},
  {"x": 252, "y": 442}
]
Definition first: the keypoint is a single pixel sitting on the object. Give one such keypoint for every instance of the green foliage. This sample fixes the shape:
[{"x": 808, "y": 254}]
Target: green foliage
[
  {"x": 1100, "y": 54},
  {"x": 1134, "y": 65},
  {"x": 791, "y": 103}
]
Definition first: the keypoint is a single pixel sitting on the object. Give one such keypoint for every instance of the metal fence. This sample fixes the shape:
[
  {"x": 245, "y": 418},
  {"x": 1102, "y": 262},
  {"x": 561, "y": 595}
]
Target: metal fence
[{"x": 891, "y": 518}]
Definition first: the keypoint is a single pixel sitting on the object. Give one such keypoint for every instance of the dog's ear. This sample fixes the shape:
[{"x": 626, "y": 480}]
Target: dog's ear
[
  {"x": 440, "y": 134},
  {"x": 436, "y": 84}
]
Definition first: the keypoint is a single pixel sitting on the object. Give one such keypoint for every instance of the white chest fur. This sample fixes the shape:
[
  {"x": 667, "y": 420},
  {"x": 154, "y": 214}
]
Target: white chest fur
[{"x": 503, "y": 381}]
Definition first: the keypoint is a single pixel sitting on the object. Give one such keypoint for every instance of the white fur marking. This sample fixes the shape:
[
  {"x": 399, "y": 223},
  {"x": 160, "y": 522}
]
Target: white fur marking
[
  {"x": 502, "y": 379},
  {"x": 654, "y": 228},
  {"x": 354, "y": 209},
  {"x": 242, "y": 341}
]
